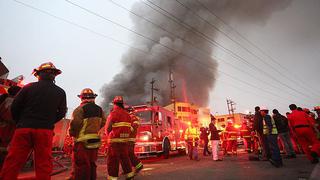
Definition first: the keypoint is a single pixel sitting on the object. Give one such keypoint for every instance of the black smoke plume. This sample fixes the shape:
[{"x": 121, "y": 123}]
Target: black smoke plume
[{"x": 182, "y": 42}]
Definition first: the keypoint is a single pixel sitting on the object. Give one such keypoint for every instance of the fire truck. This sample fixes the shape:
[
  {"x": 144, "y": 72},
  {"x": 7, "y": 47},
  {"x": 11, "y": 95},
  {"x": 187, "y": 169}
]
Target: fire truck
[{"x": 159, "y": 132}]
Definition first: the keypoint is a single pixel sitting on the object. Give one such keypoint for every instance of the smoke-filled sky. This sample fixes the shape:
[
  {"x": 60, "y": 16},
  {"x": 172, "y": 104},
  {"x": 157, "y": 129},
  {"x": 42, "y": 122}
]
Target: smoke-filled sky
[{"x": 255, "y": 52}]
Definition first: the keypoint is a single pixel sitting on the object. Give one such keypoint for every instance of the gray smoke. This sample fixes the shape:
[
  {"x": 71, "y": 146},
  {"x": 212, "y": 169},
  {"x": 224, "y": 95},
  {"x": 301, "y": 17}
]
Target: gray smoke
[{"x": 179, "y": 47}]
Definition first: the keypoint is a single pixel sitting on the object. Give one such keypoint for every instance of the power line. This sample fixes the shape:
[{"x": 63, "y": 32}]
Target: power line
[
  {"x": 102, "y": 35},
  {"x": 257, "y": 47},
  {"x": 77, "y": 25},
  {"x": 187, "y": 41},
  {"x": 230, "y": 52},
  {"x": 143, "y": 36}
]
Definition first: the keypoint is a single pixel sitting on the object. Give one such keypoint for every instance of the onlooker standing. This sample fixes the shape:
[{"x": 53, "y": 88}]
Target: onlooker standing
[
  {"x": 271, "y": 132},
  {"x": 35, "y": 110},
  {"x": 215, "y": 139},
  {"x": 283, "y": 131}
]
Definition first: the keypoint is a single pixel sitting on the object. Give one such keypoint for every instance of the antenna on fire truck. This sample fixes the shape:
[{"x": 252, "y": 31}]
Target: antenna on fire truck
[{"x": 172, "y": 91}]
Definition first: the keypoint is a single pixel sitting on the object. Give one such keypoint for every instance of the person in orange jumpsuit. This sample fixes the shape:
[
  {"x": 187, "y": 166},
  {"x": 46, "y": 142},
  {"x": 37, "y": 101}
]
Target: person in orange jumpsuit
[
  {"x": 119, "y": 128},
  {"x": 246, "y": 135},
  {"x": 135, "y": 123},
  {"x": 305, "y": 134},
  {"x": 232, "y": 145}
]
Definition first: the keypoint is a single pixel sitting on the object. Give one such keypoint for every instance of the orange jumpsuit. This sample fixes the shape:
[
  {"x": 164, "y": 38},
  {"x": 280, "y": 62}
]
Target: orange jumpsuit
[{"x": 305, "y": 134}]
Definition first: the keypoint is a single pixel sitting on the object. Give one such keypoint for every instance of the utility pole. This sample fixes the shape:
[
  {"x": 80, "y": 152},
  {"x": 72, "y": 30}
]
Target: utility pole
[
  {"x": 231, "y": 107},
  {"x": 172, "y": 91},
  {"x": 153, "y": 89}
]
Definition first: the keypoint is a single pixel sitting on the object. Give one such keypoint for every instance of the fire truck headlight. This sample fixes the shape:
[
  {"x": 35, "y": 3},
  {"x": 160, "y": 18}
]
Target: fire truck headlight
[{"x": 144, "y": 138}]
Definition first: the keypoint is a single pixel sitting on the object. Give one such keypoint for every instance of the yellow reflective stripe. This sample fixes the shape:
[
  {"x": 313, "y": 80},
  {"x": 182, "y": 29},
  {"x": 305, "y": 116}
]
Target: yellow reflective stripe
[
  {"x": 130, "y": 175},
  {"x": 247, "y": 136},
  {"x": 232, "y": 132},
  {"x": 136, "y": 122},
  {"x": 132, "y": 139},
  {"x": 121, "y": 124},
  {"x": 88, "y": 136},
  {"x": 119, "y": 140},
  {"x": 112, "y": 178},
  {"x": 139, "y": 165}
]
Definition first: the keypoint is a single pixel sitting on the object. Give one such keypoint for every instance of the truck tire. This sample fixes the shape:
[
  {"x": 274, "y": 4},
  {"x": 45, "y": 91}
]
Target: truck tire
[{"x": 166, "y": 149}]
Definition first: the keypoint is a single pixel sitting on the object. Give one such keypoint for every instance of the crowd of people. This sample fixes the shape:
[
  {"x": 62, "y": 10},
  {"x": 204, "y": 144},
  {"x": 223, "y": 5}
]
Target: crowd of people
[
  {"x": 297, "y": 132},
  {"x": 28, "y": 116}
]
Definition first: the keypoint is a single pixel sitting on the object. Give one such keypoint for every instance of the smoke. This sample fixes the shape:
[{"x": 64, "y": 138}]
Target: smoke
[{"x": 182, "y": 44}]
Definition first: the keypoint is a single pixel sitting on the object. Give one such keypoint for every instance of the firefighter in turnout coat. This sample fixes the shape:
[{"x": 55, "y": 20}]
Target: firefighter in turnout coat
[
  {"x": 135, "y": 123},
  {"x": 119, "y": 129},
  {"x": 88, "y": 119}
]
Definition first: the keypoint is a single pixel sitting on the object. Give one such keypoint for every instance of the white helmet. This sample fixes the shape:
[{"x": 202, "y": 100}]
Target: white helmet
[{"x": 264, "y": 108}]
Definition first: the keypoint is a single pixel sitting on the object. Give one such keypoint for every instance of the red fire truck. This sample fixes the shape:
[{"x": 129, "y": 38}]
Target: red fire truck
[{"x": 159, "y": 132}]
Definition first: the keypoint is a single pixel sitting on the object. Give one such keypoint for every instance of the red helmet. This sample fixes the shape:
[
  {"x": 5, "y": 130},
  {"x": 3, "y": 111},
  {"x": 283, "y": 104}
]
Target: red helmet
[
  {"x": 87, "y": 93},
  {"x": 118, "y": 99},
  {"x": 48, "y": 66}
]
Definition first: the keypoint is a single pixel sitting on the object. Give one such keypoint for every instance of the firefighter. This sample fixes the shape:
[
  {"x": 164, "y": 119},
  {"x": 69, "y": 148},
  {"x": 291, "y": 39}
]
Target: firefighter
[
  {"x": 246, "y": 135},
  {"x": 192, "y": 137},
  {"x": 87, "y": 120},
  {"x": 135, "y": 122},
  {"x": 231, "y": 138},
  {"x": 271, "y": 132},
  {"x": 223, "y": 138},
  {"x": 36, "y": 109},
  {"x": 313, "y": 121},
  {"x": 7, "y": 125},
  {"x": 204, "y": 133},
  {"x": 304, "y": 133},
  {"x": 118, "y": 129}
]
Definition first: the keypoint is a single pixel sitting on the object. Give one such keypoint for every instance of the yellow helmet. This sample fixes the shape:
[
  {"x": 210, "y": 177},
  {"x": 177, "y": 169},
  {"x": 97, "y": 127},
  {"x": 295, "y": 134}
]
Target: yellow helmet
[
  {"x": 48, "y": 66},
  {"x": 87, "y": 93}
]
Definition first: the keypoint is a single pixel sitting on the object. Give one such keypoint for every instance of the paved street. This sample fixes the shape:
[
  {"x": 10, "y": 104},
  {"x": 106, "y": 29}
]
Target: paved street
[{"x": 237, "y": 167}]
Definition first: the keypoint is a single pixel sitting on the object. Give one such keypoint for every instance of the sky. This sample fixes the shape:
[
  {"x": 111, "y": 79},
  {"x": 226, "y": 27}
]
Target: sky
[{"x": 88, "y": 50}]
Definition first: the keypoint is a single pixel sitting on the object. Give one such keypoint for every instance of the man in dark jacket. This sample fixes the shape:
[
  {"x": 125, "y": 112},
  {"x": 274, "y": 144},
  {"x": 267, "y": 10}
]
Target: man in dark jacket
[
  {"x": 283, "y": 131},
  {"x": 35, "y": 110},
  {"x": 258, "y": 127},
  {"x": 215, "y": 139}
]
